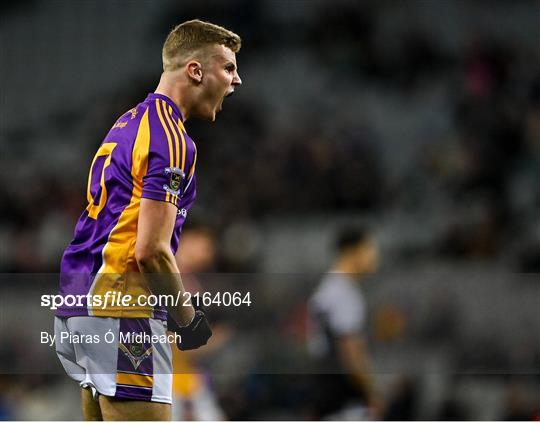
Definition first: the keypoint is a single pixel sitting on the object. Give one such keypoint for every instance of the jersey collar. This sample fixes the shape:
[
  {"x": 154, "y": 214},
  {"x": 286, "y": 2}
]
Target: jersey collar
[{"x": 176, "y": 110}]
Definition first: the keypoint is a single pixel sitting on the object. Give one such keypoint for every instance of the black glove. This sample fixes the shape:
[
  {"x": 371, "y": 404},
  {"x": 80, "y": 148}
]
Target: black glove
[{"x": 194, "y": 335}]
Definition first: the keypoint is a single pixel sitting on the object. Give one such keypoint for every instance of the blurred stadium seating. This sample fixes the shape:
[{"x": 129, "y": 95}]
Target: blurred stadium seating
[{"x": 419, "y": 118}]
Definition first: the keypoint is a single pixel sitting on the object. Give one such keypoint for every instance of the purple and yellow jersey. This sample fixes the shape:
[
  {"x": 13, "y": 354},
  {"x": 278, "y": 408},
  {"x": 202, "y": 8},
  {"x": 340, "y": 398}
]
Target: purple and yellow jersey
[{"x": 146, "y": 154}]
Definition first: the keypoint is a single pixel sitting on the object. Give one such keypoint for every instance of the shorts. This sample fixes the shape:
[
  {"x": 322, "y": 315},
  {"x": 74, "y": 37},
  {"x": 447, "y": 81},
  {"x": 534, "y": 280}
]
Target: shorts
[{"x": 116, "y": 357}]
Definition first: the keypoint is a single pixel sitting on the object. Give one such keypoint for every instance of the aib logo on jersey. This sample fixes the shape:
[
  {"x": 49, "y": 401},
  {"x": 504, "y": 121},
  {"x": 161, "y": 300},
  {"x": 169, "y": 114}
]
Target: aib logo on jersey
[{"x": 176, "y": 176}]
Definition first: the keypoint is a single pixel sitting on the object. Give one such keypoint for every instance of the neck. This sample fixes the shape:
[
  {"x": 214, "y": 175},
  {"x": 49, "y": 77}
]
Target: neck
[
  {"x": 344, "y": 266},
  {"x": 174, "y": 89}
]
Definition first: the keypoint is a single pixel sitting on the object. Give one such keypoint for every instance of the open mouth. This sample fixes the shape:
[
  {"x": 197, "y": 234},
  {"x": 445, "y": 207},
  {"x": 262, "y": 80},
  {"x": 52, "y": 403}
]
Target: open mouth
[{"x": 223, "y": 99}]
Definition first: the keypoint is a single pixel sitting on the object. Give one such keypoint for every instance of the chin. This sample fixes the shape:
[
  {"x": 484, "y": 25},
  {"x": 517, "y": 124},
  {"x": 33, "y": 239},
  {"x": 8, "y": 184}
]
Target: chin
[{"x": 209, "y": 116}]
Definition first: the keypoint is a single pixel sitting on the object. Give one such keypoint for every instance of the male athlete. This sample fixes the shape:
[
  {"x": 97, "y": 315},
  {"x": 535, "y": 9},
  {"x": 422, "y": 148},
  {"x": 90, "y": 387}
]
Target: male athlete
[
  {"x": 337, "y": 307},
  {"x": 140, "y": 188}
]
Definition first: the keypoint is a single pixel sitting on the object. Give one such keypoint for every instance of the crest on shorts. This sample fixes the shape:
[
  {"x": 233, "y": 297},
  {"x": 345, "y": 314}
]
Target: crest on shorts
[
  {"x": 135, "y": 353},
  {"x": 175, "y": 180}
]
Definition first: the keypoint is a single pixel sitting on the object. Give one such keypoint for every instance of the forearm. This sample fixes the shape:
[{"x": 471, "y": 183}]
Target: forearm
[
  {"x": 355, "y": 361},
  {"x": 163, "y": 278},
  {"x": 360, "y": 372}
]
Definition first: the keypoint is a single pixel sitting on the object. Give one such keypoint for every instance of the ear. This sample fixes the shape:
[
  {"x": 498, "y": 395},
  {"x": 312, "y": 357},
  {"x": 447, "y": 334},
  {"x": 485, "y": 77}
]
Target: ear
[{"x": 194, "y": 70}]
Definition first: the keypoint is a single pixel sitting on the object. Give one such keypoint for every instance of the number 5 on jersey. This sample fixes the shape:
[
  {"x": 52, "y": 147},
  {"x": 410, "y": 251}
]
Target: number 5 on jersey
[{"x": 101, "y": 161}]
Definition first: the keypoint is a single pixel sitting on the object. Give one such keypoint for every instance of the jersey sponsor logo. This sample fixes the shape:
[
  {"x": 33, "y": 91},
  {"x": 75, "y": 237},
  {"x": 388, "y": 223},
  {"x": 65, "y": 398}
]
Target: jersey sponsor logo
[
  {"x": 176, "y": 175},
  {"x": 183, "y": 212},
  {"x": 133, "y": 113},
  {"x": 120, "y": 125}
]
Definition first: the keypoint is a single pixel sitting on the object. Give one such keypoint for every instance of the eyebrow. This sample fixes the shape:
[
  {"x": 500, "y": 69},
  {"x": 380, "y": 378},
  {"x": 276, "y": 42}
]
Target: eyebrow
[{"x": 224, "y": 59}]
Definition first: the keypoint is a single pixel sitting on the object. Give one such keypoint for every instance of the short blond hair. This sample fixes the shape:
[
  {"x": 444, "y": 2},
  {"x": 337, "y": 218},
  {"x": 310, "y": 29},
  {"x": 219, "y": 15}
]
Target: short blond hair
[{"x": 191, "y": 36}]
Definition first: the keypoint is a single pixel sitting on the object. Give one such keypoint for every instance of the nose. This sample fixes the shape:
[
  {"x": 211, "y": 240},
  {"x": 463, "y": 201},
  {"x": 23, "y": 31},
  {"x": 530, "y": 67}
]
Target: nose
[{"x": 236, "y": 80}]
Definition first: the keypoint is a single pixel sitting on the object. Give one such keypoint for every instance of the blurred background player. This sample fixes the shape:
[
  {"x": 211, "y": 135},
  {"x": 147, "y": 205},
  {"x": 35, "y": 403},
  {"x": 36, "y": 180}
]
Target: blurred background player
[
  {"x": 193, "y": 398},
  {"x": 338, "y": 311}
]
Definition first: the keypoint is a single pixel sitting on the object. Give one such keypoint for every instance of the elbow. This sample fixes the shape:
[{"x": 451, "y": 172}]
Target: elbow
[{"x": 149, "y": 257}]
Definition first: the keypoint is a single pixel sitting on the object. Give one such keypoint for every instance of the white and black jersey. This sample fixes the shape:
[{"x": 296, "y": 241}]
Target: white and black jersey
[{"x": 336, "y": 308}]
